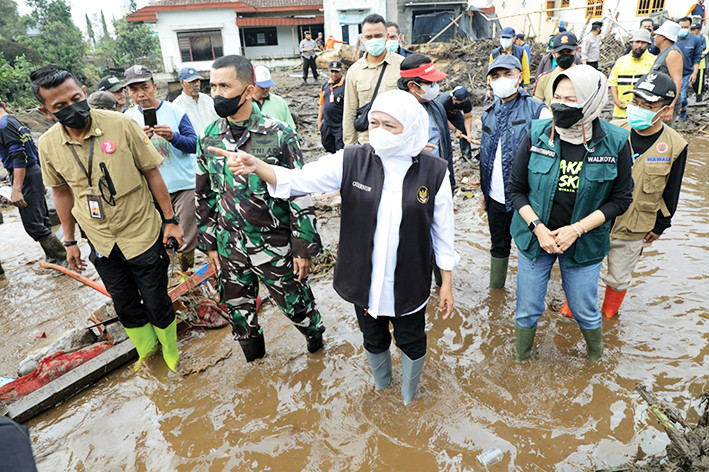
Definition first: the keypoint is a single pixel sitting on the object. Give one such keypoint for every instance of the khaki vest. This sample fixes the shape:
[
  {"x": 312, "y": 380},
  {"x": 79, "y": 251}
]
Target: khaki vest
[{"x": 650, "y": 173}]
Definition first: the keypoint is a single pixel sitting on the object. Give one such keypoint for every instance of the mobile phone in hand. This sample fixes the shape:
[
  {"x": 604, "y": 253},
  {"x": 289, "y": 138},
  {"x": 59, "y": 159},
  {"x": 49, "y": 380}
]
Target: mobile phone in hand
[{"x": 150, "y": 117}]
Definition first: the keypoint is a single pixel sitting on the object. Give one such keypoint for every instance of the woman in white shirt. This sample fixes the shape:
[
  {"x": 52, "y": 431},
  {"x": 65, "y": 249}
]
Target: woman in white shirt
[{"x": 397, "y": 215}]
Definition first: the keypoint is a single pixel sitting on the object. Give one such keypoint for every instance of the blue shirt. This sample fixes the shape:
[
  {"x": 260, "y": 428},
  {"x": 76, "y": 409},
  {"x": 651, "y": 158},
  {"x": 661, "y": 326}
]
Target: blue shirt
[
  {"x": 528, "y": 48},
  {"x": 433, "y": 135},
  {"x": 691, "y": 48},
  {"x": 179, "y": 166},
  {"x": 17, "y": 149}
]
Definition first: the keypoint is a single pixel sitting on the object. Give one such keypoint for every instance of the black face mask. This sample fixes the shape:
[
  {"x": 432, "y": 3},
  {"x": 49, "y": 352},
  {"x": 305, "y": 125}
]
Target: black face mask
[
  {"x": 566, "y": 116},
  {"x": 638, "y": 54},
  {"x": 75, "y": 116},
  {"x": 565, "y": 60},
  {"x": 228, "y": 106}
]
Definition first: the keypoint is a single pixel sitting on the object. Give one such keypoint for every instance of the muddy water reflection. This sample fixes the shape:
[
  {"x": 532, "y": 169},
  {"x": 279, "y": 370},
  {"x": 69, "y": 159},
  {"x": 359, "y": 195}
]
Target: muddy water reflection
[{"x": 293, "y": 411}]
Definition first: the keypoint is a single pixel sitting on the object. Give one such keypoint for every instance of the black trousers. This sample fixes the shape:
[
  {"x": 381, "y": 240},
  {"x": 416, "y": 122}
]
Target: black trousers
[
  {"x": 459, "y": 123},
  {"x": 593, "y": 64},
  {"x": 35, "y": 216},
  {"x": 331, "y": 137},
  {"x": 138, "y": 286},
  {"x": 499, "y": 220},
  {"x": 409, "y": 332},
  {"x": 312, "y": 65}
]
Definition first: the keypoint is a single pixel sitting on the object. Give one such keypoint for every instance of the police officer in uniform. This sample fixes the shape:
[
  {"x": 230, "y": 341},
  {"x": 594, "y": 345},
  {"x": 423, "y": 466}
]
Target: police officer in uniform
[{"x": 332, "y": 102}]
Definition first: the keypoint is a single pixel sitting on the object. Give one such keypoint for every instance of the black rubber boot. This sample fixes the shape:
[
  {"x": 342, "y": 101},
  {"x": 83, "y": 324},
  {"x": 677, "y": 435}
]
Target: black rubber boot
[
  {"x": 54, "y": 250},
  {"x": 2, "y": 272},
  {"x": 254, "y": 348},
  {"x": 315, "y": 343}
]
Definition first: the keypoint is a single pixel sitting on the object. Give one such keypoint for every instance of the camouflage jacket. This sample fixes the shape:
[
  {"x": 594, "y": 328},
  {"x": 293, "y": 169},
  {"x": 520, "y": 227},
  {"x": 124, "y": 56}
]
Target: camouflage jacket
[{"x": 226, "y": 202}]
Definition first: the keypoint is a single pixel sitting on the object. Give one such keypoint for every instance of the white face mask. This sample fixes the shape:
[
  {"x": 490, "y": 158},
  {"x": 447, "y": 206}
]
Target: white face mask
[
  {"x": 430, "y": 91},
  {"x": 385, "y": 143},
  {"x": 505, "y": 43},
  {"x": 504, "y": 87}
]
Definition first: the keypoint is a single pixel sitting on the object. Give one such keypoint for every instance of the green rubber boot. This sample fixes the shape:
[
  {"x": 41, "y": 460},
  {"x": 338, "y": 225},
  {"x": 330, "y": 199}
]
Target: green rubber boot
[
  {"x": 54, "y": 250},
  {"x": 168, "y": 340},
  {"x": 2, "y": 272},
  {"x": 498, "y": 272},
  {"x": 524, "y": 339},
  {"x": 144, "y": 340},
  {"x": 594, "y": 342}
]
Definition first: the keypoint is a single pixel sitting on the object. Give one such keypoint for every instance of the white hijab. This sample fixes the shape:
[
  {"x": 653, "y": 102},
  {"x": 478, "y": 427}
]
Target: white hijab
[
  {"x": 591, "y": 88},
  {"x": 410, "y": 113}
]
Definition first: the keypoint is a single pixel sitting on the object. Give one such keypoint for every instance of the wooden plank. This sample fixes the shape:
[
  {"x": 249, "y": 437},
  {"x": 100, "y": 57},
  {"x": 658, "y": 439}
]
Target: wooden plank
[{"x": 72, "y": 382}]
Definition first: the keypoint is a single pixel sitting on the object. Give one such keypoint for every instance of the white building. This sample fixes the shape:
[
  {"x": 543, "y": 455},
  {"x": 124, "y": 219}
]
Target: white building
[
  {"x": 343, "y": 18},
  {"x": 540, "y": 17},
  {"x": 193, "y": 33}
]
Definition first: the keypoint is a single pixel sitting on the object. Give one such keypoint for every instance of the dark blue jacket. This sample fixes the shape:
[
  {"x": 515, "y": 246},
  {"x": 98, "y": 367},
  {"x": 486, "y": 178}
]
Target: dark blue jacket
[
  {"x": 446, "y": 149},
  {"x": 507, "y": 123},
  {"x": 691, "y": 49}
]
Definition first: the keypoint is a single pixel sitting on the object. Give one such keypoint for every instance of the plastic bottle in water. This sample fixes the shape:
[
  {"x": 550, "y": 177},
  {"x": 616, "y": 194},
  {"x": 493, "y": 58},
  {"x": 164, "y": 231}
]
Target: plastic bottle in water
[{"x": 492, "y": 456}]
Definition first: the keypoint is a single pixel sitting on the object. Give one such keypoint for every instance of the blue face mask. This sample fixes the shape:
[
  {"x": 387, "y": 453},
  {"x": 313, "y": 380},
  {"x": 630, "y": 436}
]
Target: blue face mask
[
  {"x": 640, "y": 118},
  {"x": 683, "y": 33}
]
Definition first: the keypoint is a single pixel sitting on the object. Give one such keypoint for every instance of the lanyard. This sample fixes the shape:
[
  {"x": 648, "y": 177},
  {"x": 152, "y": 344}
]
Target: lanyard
[{"x": 91, "y": 159}]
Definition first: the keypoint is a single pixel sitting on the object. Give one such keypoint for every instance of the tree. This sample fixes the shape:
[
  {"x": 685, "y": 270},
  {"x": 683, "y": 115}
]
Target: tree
[
  {"x": 105, "y": 28},
  {"x": 135, "y": 42},
  {"x": 60, "y": 41},
  {"x": 11, "y": 23},
  {"x": 90, "y": 31}
]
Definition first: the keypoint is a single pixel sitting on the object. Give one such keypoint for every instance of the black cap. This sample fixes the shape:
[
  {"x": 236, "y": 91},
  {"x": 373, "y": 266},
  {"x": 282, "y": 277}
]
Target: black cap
[
  {"x": 598, "y": 24},
  {"x": 520, "y": 36},
  {"x": 461, "y": 93},
  {"x": 654, "y": 87},
  {"x": 109, "y": 83},
  {"x": 564, "y": 41},
  {"x": 334, "y": 65}
]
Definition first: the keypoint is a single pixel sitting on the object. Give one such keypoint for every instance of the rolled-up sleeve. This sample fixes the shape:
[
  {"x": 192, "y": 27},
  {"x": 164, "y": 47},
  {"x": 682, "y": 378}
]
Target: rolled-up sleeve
[{"x": 442, "y": 229}]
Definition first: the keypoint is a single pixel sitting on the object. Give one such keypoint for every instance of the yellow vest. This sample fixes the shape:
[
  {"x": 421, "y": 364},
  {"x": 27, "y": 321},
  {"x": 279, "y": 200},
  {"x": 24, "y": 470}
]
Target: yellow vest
[{"x": 651, "y": 170}]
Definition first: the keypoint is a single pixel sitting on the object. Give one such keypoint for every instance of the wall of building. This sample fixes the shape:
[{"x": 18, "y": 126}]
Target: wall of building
[
  {"x": 171, "y": 22},
  {"x": 287, "y": 44},
  {"x": 348, "y": 13},
  {"x": 574, "y": 15}
]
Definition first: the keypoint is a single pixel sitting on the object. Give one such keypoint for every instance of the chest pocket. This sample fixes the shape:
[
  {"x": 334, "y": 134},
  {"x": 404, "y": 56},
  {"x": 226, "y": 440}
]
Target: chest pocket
[
  {"x": 539, "y": 166},
  {"x": 655, "y": 177},
  {"x": 599, "y": 175}
]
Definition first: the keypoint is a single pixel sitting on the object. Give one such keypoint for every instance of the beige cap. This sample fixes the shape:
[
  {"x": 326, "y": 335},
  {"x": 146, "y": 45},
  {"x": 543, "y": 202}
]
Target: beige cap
[{"x": 641, "y": 35}]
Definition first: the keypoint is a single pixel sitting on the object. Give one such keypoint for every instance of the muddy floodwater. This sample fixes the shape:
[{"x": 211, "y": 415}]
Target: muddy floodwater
[{"x": 293, "y": 411}]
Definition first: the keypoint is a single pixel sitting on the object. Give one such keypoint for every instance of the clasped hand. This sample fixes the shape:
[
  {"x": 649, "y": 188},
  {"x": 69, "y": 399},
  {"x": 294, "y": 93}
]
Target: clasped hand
[{"x": 557, "y": 241}]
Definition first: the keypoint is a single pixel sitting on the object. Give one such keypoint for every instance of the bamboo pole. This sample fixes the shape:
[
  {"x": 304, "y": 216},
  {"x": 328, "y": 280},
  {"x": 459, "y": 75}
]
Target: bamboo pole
[
  {"x": 444, "y": 29},
  {"x": 542, "y": 11}
]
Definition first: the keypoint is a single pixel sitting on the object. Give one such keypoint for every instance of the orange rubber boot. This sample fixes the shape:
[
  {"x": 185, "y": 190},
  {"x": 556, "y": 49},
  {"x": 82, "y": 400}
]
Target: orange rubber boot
[
  {"x": 612, "y": 301},
  {"x": 565, "y": 310}
]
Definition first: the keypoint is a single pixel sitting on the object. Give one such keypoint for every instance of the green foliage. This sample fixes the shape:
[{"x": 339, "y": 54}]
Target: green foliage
[
  {"x": 15, "y": 82},
  {"x": 11, "y": 24},
  {"x": 135, "y": 43},
  {"x": 90, "y": 30},
  {"x": 12, "y": 50},
  {"x": 104, "y": 27}
]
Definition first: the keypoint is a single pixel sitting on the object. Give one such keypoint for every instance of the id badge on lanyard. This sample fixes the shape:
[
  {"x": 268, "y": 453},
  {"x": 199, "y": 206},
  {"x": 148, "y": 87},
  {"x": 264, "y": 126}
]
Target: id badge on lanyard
[
  {"x": 94, "y": 201},
  {"x": 332, "y": 97}
]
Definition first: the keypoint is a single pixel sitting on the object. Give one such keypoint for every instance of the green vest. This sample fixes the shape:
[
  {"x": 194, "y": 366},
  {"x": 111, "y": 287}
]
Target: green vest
[{"x": 596, "y": 178}]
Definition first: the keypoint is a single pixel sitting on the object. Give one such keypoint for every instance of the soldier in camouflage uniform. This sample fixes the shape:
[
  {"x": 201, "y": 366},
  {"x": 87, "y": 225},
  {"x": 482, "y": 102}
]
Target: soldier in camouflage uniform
[{"x": 255, "y": 236}]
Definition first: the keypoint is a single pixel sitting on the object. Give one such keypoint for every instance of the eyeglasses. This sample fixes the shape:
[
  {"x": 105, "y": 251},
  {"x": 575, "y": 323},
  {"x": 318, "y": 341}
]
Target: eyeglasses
[
  {"x": 645, "y": 105},
  {"x": 105, "y": 186}
]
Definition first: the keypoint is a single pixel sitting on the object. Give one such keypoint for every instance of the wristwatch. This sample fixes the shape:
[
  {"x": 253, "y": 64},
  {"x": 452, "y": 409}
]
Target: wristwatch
[
  {"x": 175, "y": 220},
  {"x": 533, "y": 225}
]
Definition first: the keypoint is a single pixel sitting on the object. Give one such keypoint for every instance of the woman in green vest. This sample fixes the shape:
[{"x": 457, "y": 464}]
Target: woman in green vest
[{"x": 571, "y": 177}]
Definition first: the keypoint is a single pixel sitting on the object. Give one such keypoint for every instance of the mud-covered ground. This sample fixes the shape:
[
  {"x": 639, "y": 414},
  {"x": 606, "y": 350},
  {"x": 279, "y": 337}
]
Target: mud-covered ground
[{"x": 294, "y": 411}]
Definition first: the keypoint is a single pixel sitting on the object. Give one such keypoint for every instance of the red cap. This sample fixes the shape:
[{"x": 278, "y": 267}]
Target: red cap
[{"x": 427, "y": 72}]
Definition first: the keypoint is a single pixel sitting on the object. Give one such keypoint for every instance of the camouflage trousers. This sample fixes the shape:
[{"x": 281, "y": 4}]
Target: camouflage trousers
[{"x": 245, "y": 259}]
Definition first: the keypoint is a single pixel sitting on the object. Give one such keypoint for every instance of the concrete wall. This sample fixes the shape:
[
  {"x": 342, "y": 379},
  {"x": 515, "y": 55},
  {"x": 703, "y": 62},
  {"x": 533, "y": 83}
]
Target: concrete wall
[
  {"x": 347, "y": 12},
  {"x": 287, "y": 44},
  {"x": 171, "y": 22},
  {"x": 575, "y": 17}
]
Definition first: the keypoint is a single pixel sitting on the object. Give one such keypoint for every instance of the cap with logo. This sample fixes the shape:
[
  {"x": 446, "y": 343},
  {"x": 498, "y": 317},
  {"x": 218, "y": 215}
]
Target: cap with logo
[
  {"x": 102, "y": 100},
  {"x": 504, "y": 61},
  {"x": 262, "y": 77},
  {"x": 427, "y": 72},
  {"x": 136, "y": 74},
  {"x": 641, "y": 35},
  {"x": 654, "y": 87},
  {"x": 669, "y": 30},
  {"x": 334, "y": 65},
  {"x": 460, "y": 93},
  {"x": 564, "y": 41},
  {"x": 109, "y": 83},
  {"x": 507, "y": 32},
  {"x": 188, "y": 74}
]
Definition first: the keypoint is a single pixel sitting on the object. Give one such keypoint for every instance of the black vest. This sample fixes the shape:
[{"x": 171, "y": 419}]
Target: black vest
[{"x": 361, "y": 191}]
